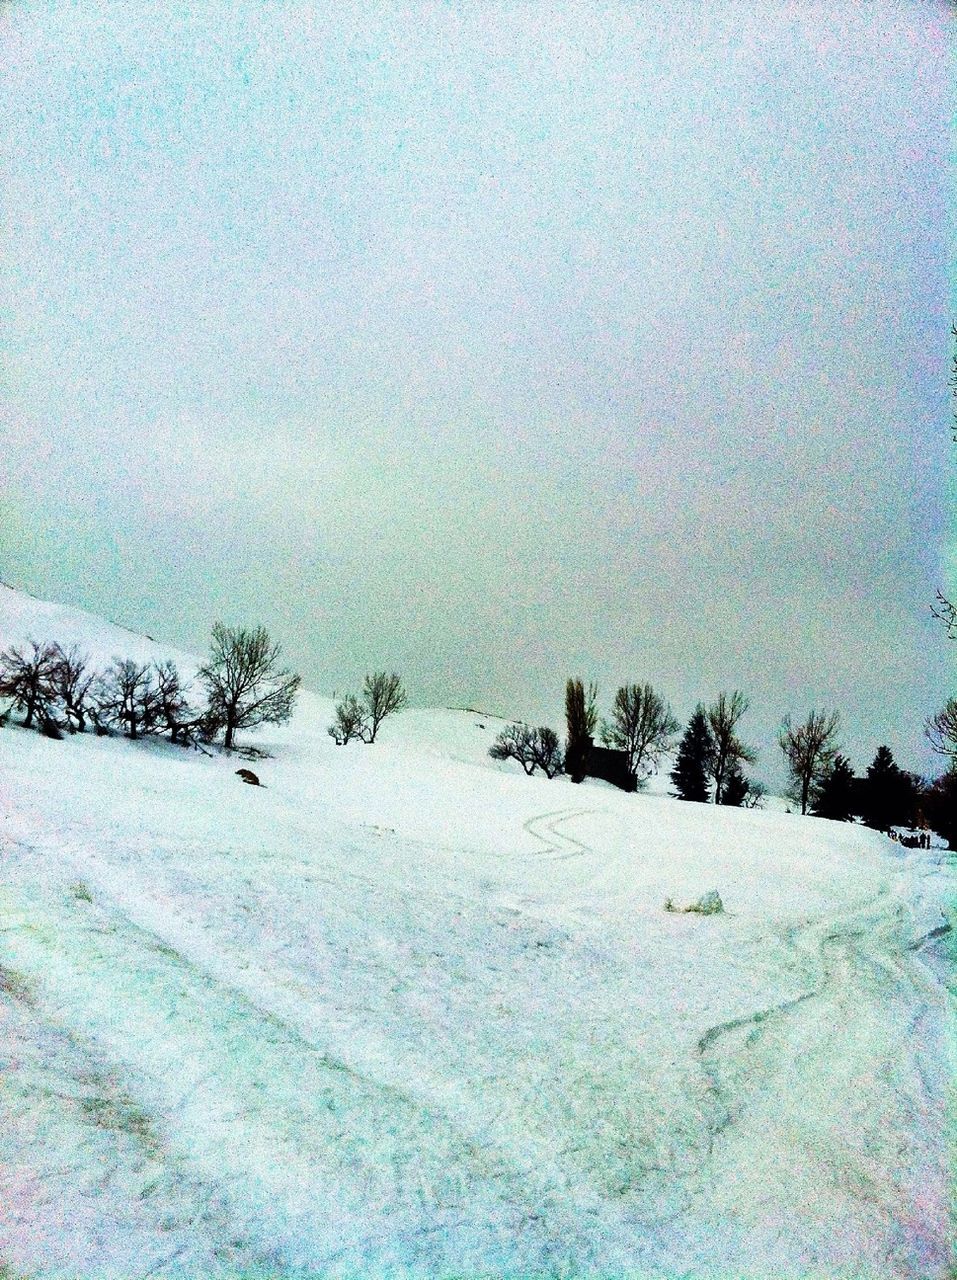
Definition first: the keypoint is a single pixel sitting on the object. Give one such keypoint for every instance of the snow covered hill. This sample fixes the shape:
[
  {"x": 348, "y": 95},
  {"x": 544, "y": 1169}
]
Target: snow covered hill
[{"x": 406, "y": 1012}]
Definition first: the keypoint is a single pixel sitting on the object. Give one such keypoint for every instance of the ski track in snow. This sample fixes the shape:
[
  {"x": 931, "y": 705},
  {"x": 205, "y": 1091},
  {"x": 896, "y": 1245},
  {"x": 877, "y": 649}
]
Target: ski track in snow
[{"x": 558, "y": 846}]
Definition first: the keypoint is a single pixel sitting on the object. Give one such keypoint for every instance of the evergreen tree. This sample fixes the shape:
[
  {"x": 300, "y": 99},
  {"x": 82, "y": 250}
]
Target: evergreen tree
[
  {"x": 736, "y": 789},
  {"x": 836, "y": 796},
  {"x": 690, "y": 774},
  {"x": 887, "y": 793}
]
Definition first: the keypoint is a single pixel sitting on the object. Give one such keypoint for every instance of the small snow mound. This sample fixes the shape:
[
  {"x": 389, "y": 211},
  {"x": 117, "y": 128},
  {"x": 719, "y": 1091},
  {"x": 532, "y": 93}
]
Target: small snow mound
[{"x": 709, "y": 904}]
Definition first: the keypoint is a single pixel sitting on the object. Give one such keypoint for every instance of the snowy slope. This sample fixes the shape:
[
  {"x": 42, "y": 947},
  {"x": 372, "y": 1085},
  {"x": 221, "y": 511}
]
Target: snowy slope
[{"x": 405, "y": 1012}]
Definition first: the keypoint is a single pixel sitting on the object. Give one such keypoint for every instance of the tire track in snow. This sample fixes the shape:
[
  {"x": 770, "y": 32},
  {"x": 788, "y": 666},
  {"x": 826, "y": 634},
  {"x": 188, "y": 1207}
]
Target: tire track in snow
[
  {"x": 510, "y": 1172},
  {"x": 763, "y": 1069}
]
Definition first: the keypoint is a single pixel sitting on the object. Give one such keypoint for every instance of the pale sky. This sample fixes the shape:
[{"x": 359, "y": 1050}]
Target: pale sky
[{"x": 492, "y": 343}]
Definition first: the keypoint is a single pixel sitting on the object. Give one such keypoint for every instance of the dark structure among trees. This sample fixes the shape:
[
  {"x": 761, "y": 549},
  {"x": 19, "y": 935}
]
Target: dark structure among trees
[{"x": 611, "y": 765}]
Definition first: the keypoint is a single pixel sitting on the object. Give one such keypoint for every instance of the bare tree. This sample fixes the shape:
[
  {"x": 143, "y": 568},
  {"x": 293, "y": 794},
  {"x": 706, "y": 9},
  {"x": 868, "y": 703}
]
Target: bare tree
[
  {"x": 642, "y": 726},
  {"x": 547, "y": 751},
  {"x": 26, "y": 677},
  {"x": 946, "y": 612},
  {"x": 941, "y": 730},
  {"x": 349, "y": 721},
  {"x": 754, "y": 799},
  {"x": 126, "y": 696},
  {"x": 174, "y": 711},
  {"x": 244, "y": 683},
  {"x": 515, "y": 742},
  {"x": 810, "y": 749},
  {"x": 728, "y": 749},
  {"x": 382, "y": 696},
  {"x": 72, "y": 680}
]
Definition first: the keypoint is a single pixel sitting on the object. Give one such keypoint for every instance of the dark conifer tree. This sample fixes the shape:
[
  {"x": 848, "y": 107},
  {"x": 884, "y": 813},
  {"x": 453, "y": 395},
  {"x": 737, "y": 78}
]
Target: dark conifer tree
[
  {"x": 690, "y": 774},
  {"x": 736, "y": 789},
  {"x": 837, "y": 795},
  {"x": 887, "y": 793}
]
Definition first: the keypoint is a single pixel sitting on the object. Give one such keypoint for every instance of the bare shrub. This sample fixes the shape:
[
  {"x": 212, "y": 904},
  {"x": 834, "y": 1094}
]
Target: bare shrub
[{"x": 382, "y": 696}]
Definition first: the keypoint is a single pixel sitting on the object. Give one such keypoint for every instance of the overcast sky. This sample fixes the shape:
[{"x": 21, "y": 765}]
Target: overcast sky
[{"x": 493, "y": 343}]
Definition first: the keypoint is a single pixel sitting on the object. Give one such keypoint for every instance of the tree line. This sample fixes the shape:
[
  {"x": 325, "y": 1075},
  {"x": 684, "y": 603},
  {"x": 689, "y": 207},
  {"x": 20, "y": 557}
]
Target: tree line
[
  {"x": 240, "y": 686},
  {"x": 708, "y": 765},
  {"x": 643, "y": 728}
]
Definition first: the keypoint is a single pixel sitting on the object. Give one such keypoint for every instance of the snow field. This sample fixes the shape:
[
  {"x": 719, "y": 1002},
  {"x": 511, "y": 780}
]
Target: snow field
[{"x": 404, "y": 1012}]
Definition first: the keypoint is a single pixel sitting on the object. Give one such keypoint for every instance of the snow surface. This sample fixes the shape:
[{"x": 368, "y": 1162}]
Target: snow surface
[{"x": 405, "y": 1012}]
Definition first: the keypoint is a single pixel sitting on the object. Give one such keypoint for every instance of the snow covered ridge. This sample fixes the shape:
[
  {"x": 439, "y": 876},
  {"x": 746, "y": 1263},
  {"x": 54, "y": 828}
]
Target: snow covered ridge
[{"x": 402, "y": 1012}]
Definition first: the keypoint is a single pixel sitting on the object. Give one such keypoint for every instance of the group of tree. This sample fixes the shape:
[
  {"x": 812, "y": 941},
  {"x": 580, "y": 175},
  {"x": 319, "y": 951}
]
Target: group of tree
[
  {"x": 884, "y": 797},
  {"x": 358, "y": 719},
  {"x": 241, "y": 686},
  {"x": 642, "y": 727},
  {"x": 711, "y": 755},
  {"x": 823, "y": 782}
]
